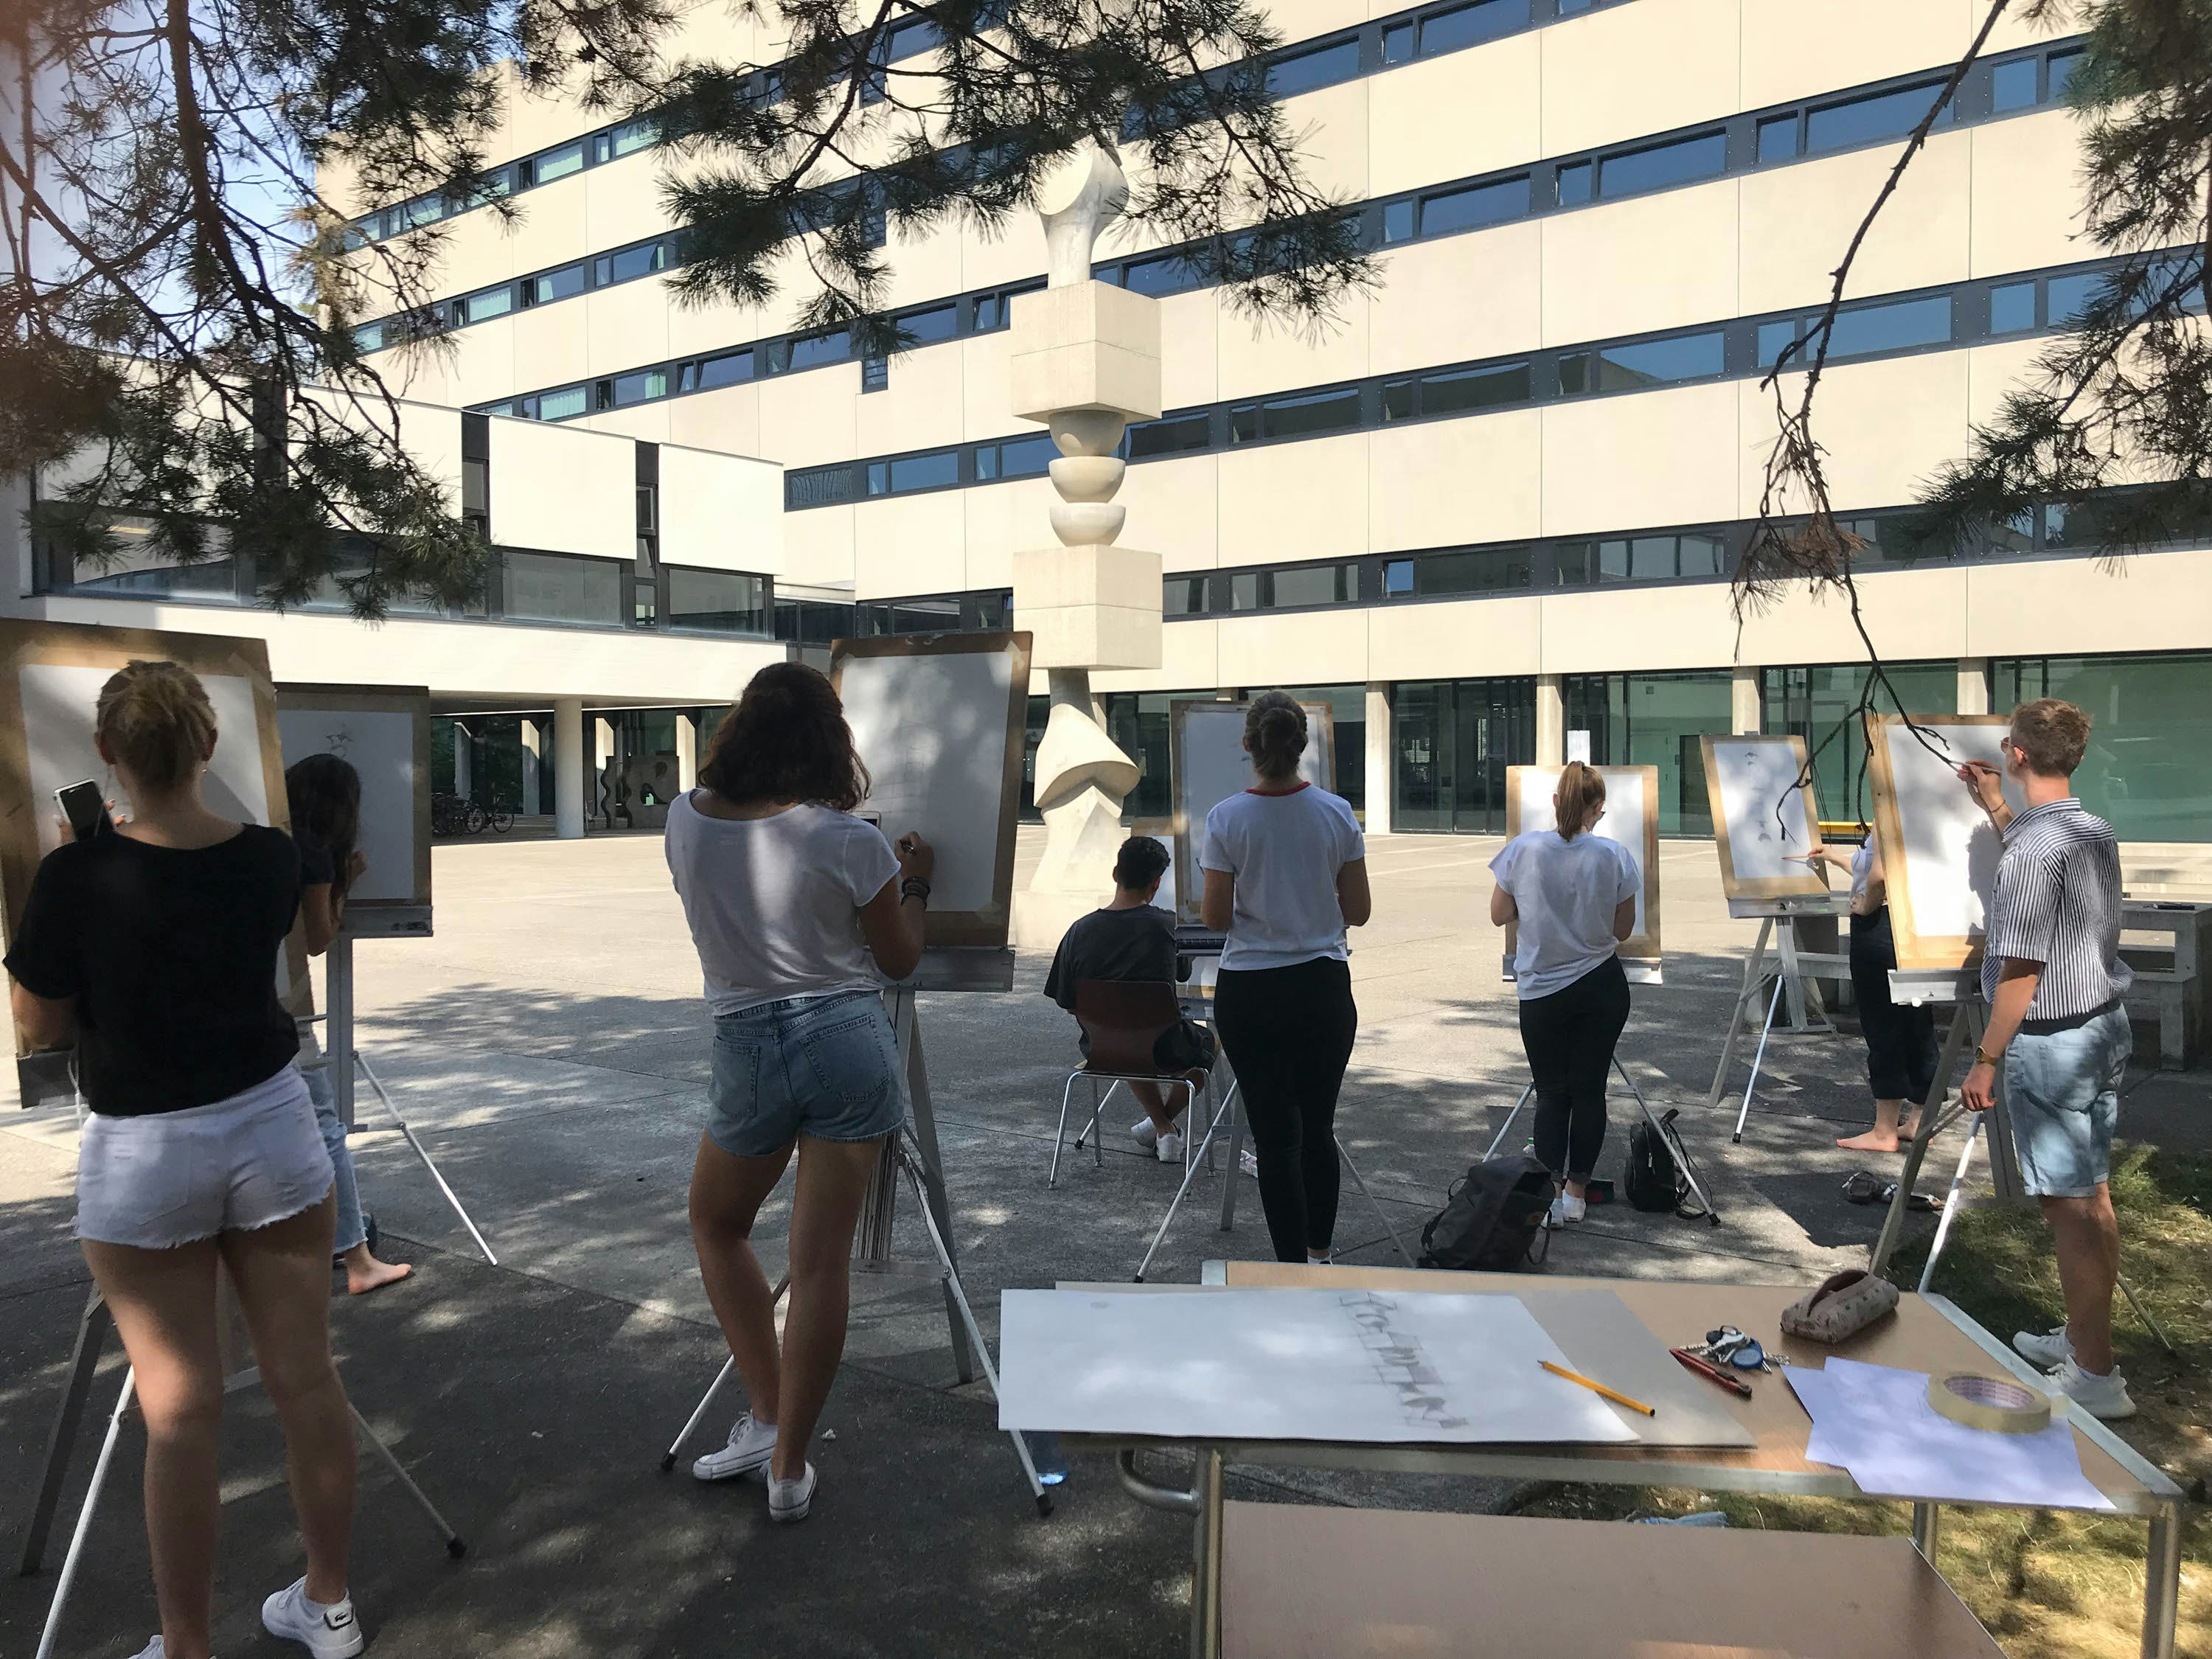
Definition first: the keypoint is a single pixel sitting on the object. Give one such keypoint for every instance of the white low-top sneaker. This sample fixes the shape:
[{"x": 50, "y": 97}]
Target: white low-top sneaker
[
  {"x": 790, "y": 1500},
  {"x": 1169, "y": 1150},
  {"x": 2103, "y": 1397},
  {"x": 1248, "y": 1161},
  {"x": 2052, "y": 1348},
  {"x": 749, "y": 1447},
  {"x": 153, "y": 1649},
  {"x": 1566, "y": 1211},
  {"x": 328, "y": 1633},
  {"x": 1144, "y": 1132}
]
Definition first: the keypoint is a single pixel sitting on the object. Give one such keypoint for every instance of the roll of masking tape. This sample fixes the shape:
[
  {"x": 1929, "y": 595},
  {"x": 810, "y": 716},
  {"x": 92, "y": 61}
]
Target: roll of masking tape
[{"x": 1996, "y": 1403}]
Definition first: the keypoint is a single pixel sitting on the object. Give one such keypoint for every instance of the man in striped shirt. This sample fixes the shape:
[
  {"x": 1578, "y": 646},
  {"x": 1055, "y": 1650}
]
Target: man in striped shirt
[{"x": 2052, "y": 975}]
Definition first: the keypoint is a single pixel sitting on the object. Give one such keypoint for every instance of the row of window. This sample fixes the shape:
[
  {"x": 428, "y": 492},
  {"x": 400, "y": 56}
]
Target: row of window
[
  {"x": 1881, "y": 327},
  {"x": 1440, "y": 210}
]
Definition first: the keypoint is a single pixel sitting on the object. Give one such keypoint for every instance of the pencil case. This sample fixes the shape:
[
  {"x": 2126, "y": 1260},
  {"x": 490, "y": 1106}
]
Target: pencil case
[{"x": 1842, "y": 1307}]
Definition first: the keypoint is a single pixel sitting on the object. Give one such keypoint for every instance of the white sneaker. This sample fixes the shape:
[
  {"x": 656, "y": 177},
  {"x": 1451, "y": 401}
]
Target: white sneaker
[
  {"x": 750, "y": 1445},
  {"x": 790, "y": 1500},
  {"x": 2103, "y": 1397},
  {"x": 1248, "y": 1161},
  {"x": 1171, "y": 1148},
  {"x": 153, "y": 1649},
  {"x": 328, "y": 1633},
  {"x": 1565, "y": 1210},
  {"x": 1144, "y": 1132},
  {"x": 2046, "y": 1350}
]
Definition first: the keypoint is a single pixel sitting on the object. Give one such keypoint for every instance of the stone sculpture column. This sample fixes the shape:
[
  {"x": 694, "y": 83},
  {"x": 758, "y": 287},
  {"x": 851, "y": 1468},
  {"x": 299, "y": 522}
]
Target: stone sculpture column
[{"x": 1084, "y": 361}]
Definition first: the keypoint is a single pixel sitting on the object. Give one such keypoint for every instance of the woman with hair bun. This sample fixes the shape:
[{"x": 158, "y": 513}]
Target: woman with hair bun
[
  {"x": 1572, "y": 895},
  {"x": 1285, "y": 875},
  {"x": 800, "y": 912},
  {"x": 157, "y": 947}
]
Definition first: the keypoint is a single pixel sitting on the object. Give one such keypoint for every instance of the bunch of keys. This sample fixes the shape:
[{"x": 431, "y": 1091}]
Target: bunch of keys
[{"x": 1730, "y": 1346}]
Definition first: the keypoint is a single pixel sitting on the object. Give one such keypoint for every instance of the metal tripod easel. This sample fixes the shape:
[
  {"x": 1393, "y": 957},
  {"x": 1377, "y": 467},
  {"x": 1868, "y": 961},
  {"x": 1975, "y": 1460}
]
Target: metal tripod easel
[
  {"x": 1795, "y": 997},
  {"x": 1689, "y": 1170}
]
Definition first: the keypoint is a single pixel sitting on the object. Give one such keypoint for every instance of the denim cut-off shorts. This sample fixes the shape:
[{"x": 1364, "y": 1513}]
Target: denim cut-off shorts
[
  {"x": 2063, "y": 1096},
  {"x": 168, "y": 1178},
  {"x": 825, "y": 1067}
]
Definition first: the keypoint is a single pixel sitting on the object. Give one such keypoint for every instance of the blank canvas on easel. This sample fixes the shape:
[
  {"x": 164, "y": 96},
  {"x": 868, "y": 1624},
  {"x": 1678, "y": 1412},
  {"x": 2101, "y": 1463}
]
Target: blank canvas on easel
[
  {"x": 939, "y": 721},
  {"x": 1208, "y": 764},
  {"x": 1939, "y": 849},
  {"x": 384, "y": 736},
  {"x": 1764, "y": 819},
  {"x": 1631, "y": 817}
]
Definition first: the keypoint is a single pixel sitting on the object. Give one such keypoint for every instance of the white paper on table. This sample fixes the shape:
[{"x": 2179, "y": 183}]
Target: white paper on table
[
  {"x": 1875, "y": 1421},
  {"x": 1290, "y": 1364}
]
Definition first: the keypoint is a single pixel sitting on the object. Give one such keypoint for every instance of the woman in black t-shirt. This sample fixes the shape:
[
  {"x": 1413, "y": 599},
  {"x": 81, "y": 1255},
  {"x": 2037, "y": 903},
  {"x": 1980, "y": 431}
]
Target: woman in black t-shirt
[{"x": 155, "y": 947}]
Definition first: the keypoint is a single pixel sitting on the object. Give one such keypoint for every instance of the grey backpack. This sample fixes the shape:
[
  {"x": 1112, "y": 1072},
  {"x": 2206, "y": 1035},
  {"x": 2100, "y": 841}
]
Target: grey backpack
[{"x": 1492, "y": 1220}]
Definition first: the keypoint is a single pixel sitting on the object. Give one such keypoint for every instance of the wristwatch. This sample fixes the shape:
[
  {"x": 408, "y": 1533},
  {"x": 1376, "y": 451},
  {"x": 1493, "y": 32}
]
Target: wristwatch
[{"x": 1982, "y": 1058}]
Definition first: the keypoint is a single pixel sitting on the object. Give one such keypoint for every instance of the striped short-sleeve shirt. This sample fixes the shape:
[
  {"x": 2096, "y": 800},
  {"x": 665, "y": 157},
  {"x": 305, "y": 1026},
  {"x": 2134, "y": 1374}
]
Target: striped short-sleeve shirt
[{"x": 2057, "y": 902}]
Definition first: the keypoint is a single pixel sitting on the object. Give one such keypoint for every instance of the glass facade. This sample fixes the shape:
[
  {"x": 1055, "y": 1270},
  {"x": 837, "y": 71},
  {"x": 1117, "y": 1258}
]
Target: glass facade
[
  {"x": 723, "y": 601},
  {"x": 554, "y": 587},
  {"x": 1348, "y": 710},
  {"x": 1659, "y": 720},
  {"x": 2145, "y": 770},
  {"x": 1450, "y": 743},
  {"x": 1816, "y": 703}
]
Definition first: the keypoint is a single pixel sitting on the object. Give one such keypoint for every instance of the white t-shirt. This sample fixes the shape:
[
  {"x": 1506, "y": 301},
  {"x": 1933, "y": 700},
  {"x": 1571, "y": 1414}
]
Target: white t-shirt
[
  {"x": 1285, "y": 851},
  {"x": 774, "y": 904},
  {"x": 1566, "y": 892},
  {"x": 1862, "y": 869}
]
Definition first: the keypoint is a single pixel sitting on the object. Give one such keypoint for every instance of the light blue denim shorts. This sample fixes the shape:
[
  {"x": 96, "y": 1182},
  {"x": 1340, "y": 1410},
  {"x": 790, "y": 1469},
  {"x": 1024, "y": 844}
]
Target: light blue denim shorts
[
  {"x": 825, "y": 1067},
  {"x": 2061, "y": 1092}
]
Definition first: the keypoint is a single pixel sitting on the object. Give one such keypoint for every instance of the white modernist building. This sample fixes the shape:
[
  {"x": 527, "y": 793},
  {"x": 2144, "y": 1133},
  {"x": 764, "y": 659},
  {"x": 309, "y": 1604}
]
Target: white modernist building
[{"x": 1497, "y": 504}]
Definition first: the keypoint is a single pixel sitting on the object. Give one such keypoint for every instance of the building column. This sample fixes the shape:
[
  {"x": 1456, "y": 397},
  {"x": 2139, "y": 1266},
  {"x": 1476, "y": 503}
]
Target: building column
[
  {"x": 1974, "y": 686},
  {"x": 1382, "y": 779},
  {"x": 464, "y": 771},
  {"x": 569, "y": 768},
  {"x": 1746, "y": 715},
  {"x": 687, "y": 750},
  {"x": 1551, "y": 722},
  {"x": 532, "y": 742}
]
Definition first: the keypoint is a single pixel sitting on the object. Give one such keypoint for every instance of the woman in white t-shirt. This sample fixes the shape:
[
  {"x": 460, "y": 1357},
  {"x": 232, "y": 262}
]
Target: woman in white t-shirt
[
  {"x": 1285, "y": 874},
  {"x": 1901, "y": 1038},
  {"x": 1571, "y": 896},
  {"x": 800, "y": 912}
]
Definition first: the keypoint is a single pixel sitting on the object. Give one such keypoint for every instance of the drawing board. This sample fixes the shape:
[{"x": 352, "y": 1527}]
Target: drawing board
[
  {"x": 386, "y": 735},
  {"x": 1939, "y": 849},
  {"x": 50, "y": 674},
  {"x": 1290, "y": 1365},
  {"x": 1631, "y": 817},
  {"x": 1764, "y": 819},
  {"x": 1208, "y": 764},
  {"x": 939, "y": 721}
]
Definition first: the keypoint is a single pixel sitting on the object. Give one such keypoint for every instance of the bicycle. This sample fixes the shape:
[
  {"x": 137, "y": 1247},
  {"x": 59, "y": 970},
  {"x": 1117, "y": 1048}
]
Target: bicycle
[{"x": 499, "y": 817}]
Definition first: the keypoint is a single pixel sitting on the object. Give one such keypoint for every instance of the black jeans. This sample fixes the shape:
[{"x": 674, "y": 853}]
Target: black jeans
[
  {"x": 1288, "y": 1031},
  {"x": 1900, "y": 1040},
  {"x": 1570, "y": 1036}
]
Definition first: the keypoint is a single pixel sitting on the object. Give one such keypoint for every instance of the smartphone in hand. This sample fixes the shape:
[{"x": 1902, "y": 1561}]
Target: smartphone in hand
[{"x": 85, "y": 809}]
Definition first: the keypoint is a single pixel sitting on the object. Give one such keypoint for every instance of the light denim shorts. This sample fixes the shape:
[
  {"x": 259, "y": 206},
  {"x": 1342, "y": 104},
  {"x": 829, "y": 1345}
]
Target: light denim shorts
[
  {"x": 825, "y": 1067},
  {"x": 2062, "y": 1091},
  {"x": 168, "y": 1178}
]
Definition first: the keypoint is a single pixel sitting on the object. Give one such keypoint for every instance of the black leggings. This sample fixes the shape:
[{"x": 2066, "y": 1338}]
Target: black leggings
[
  {"x": 1570, "y": 1036},
  {"x": 1288, "y": 1031},
  {"x": 1900, "y": 1039}
]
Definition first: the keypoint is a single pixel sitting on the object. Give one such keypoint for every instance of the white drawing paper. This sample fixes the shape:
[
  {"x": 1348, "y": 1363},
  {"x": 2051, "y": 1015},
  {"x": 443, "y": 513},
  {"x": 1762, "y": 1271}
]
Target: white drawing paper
[
  {"x": 1950, "y": 853},
  {"x": 1764, "y": 809},
  {"x": 379, "y": 744},
  {"x": 1623, "y": 820},
  {"x": 1875, "y": 1422},
  {"x": 1290, "y": 1365},
  {"x": 931, "y": 730},
  {"x": 1212, "y": 766}
]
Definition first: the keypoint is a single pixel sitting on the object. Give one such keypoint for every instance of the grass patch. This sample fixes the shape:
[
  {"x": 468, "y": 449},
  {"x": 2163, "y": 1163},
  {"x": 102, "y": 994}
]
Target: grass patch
[{"x": 2048, "y": 1586}]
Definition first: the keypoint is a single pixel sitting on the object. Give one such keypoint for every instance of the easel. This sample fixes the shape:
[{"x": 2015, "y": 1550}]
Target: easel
[
  {"x": 913, "y": 1152},
  {"x": 1228, "y": 1114},
  {"x": 84, "y": 1361},
  {"x": 1962, "y": 990},
  {"x": 1794, "y": 988},
  {"x": 343, "y": 1056},
  {"x": 1689, "y": 1170}
]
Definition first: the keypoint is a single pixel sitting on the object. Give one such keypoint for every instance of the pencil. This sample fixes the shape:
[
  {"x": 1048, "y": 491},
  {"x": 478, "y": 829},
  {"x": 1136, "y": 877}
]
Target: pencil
[{"x": 1599, "y": 1388}]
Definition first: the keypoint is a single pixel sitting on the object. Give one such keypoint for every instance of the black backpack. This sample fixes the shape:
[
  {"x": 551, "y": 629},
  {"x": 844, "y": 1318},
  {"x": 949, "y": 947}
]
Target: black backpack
[
  {"x": 1492, "y": 1220},
  {"x": 1656, "y": 1181}
]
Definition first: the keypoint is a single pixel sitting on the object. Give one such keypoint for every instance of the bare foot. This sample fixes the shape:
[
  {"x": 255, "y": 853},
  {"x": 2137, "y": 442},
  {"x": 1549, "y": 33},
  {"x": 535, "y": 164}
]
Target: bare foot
[
  {"x": 364, "y": 1273},
  {"x": 1907, "y": 1131},
  {"x": 1873, "y": 1140}
]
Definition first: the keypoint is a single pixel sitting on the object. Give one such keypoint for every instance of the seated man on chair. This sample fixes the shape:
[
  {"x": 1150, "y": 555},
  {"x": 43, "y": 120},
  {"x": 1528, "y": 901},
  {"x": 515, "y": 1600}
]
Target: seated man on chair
[{"x": 1134, "y": 939}]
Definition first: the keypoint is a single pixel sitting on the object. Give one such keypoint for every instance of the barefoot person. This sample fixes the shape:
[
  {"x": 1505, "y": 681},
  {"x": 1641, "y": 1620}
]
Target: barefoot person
[
  {"x": 1900, "y": 1039},
  {"x": 2052, "y": 975},
  {"x": 801, "y": 911},
  {"x": 323, "y": 793},
  {"x": 1571, "y": 897},
  {"x": 1134, "y": 939},
  {"x": 155, "y": 947},
  {"x": 1285, "y": 875}
]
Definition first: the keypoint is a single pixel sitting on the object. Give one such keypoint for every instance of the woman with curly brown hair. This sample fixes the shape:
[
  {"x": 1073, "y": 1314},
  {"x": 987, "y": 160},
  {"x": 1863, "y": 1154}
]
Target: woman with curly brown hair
[{"x": 800, "y": 912}]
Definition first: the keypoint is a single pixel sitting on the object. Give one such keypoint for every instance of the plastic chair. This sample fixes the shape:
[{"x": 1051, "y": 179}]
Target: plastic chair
[{"x": 1123, "y": 1018}]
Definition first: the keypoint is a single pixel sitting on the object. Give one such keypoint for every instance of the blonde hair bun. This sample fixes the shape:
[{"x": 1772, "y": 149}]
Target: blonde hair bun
[{"x": 156, "y": 721}]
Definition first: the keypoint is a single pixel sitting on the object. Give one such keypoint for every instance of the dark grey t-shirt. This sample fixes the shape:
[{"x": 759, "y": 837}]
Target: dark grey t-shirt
[{"x": 1136, "y": 944}]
